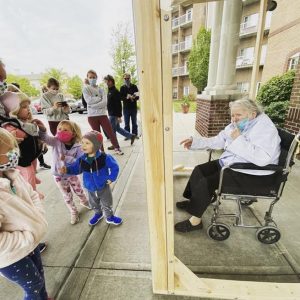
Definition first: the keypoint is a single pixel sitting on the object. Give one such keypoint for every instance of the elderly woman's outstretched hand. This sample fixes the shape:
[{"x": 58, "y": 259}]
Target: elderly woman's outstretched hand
[{"x": 187, "y": 143}]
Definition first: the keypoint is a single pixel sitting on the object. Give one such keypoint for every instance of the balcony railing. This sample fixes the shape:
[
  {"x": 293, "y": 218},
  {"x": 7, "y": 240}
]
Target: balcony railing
[
  {"x": 182, "y": 46},
  {"x": 247, "y": 62},
  {"x": 180, "y": 71},
  {"x": 182, "y": 20},
  {"x": 247, "y": 28}
]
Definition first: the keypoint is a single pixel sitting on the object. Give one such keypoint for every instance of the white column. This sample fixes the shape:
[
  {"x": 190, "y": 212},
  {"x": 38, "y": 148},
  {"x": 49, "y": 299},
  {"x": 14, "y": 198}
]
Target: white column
[
  {"x": 214, "y": 44},
  {"x": 232, "y": 12}
]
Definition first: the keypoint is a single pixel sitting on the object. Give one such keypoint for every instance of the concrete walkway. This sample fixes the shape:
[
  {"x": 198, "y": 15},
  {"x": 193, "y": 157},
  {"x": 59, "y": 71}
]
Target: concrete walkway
[{"x": 106, "y": 262}]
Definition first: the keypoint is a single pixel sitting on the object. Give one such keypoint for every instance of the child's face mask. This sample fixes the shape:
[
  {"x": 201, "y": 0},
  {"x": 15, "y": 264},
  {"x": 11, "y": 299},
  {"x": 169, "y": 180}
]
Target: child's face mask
[
  {"x": 3, "y": 87},
  {"x": 13, "y": 159},
  {"x": 64, "y": 136}
]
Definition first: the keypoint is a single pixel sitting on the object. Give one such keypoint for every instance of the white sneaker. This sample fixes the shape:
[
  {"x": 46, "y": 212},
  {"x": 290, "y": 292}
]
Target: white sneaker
[
  {"x": 119, "y": 151},
  {"x": 74, "y": 219}
]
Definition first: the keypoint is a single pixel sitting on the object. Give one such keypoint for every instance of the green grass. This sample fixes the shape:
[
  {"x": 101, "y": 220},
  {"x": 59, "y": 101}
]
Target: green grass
[{"x": 177, "y": 106}]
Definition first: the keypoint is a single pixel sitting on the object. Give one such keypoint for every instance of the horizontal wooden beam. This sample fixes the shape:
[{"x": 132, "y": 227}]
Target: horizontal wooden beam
[{"x": 189, "y": 2}]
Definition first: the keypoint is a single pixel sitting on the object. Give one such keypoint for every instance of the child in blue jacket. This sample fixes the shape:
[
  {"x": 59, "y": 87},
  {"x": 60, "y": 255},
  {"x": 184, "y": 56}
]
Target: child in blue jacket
[{"x": 99, "y": 171}]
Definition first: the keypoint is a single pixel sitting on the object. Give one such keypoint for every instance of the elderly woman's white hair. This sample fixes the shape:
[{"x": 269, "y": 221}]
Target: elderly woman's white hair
[{"x": 248, "y": 105}]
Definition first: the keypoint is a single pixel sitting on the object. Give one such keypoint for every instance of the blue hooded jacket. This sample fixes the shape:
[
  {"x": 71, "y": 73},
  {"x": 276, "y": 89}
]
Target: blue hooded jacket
[{"x": 95, "y": 174}]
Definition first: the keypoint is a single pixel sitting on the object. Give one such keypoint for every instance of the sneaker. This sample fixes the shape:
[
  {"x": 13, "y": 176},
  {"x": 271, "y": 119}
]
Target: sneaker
[
  {"x": 42, "y": 246},
  {"x": 85, "y": 204},
  {"x": 132, "y": 139},
  {"x": 110, "y": 148},
  {"x": 114, "y": 220},
  {"x": 74, "y": 219},
  {"x": 186, "y": 226},
  {"x": 119, "y": 151},
  {"x": 95, "y": 219},
  {"x": 45, "y": 166},
  {"x": 127, "y": 139}
]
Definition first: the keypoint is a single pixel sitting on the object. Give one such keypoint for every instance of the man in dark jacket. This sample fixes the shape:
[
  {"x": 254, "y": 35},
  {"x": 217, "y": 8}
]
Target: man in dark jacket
[
  {"x": 114, "y": 108},
  {"x": 129, "y": 96}
]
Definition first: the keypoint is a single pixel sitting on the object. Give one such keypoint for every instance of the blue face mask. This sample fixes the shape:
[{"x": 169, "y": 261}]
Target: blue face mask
[
  {"x": 242, "y": 124},
  {"x": 93, "y": 81}
]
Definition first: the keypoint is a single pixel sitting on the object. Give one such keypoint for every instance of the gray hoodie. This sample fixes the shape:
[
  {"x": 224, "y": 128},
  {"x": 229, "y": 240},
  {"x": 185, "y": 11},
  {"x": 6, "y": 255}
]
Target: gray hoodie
[{"x": 96, "y": 100}]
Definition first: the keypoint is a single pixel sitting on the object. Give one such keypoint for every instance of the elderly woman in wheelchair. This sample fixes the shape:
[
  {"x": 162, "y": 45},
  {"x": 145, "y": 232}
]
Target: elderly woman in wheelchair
[{"x": 248, "y": 167}]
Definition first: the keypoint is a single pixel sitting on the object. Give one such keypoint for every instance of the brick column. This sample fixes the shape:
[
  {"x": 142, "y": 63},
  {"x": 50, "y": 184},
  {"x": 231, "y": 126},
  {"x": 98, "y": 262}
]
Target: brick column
[
  {"x": 292, "y": 121},
  {"x": 212, "y": 114}
]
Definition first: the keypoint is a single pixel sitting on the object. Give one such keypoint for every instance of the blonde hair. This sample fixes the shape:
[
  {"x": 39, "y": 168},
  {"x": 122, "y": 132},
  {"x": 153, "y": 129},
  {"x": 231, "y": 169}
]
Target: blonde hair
[
  {"x": 8, "y": 139},
  {"x": 75, "y": 129}
]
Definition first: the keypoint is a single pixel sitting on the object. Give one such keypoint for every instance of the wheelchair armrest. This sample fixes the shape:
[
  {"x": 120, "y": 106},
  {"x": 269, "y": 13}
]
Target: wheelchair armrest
[{"x": 251, "y": 166}]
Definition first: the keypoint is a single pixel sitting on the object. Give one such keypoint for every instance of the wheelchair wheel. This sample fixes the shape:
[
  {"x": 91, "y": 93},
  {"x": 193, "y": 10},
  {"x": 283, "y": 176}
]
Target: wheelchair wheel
[
  {"x": 218, "y": 232},
  {"x": 268, "y": 235}
]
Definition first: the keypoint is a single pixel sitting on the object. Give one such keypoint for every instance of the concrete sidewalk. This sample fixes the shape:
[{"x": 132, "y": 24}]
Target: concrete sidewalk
[{"x": 105, "y": 262}]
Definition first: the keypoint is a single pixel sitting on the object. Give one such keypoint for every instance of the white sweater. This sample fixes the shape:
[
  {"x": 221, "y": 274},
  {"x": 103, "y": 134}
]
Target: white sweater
[
  {"x": 96, "y": 101},
  {"x": 258, "y": 144},
  {"x": 22, "y": 219}
]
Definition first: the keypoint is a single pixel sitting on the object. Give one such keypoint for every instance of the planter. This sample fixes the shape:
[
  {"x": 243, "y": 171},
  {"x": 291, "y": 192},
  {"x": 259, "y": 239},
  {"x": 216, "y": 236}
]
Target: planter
[{"x": 185, "y": 108}]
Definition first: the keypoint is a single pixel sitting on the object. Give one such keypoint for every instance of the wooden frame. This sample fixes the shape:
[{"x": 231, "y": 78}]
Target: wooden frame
[{"x": 152, "y": 20}]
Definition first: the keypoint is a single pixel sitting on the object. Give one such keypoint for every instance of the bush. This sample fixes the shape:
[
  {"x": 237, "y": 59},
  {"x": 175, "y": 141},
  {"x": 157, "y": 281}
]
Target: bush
[{"x": 275, "y": 95}]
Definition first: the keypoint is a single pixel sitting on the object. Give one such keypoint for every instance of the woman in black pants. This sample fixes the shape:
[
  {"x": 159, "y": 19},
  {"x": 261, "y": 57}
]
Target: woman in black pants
[{"x": 251, "y": 137}]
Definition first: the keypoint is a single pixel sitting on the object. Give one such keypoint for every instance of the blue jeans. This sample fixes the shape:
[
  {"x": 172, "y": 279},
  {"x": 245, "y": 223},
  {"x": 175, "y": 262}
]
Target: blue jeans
[
  {"x": 29, "y": 274},
  {"x": 116, "y": 127},
  {"x": 130, "y": 113}
]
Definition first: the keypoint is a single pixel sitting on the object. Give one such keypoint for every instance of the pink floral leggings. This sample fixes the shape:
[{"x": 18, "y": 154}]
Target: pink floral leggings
[{"x": 65, "y": 184}]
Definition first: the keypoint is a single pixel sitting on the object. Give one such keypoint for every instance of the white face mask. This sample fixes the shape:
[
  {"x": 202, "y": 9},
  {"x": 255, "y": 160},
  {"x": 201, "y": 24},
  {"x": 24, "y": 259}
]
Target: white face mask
[
  {"x": 53, "y": 92},
  {"x": 13, "y": 159},
  {"x": 93, "y": 81}
]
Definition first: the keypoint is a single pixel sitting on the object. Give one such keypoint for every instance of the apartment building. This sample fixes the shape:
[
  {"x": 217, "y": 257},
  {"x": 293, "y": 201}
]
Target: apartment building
[
  {"x": 245, "y": 55},
  {"x": 283, "y": 40},
  {"x": 186, "y": 22}
]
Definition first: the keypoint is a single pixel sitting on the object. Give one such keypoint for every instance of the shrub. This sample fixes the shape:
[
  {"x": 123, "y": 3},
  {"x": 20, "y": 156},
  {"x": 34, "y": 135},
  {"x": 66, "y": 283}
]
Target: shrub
[{"x": 275, "y": 95}]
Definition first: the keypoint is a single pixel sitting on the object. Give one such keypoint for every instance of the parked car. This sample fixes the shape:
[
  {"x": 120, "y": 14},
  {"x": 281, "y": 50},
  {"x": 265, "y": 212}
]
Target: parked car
[
  {"x": 72, "y": 104},
  {"x": 80, "y": 107},
  {"x": 36, "y": 104}
]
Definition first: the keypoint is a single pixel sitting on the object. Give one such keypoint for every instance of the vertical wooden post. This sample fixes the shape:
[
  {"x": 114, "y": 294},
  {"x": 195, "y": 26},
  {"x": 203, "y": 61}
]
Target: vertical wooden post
[
  {"x": 152, "y": 29},
  {"x": 257, "y": 49}
]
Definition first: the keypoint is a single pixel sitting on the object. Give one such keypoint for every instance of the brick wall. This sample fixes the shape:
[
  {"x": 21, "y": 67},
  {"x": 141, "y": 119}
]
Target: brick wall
[
  {"x": 212, "y": 116},
  {"x": 292, "y": 121}
]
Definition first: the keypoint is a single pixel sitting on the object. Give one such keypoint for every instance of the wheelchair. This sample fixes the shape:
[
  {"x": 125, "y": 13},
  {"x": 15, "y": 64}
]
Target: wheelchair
[{"x": 268, "y": 233}]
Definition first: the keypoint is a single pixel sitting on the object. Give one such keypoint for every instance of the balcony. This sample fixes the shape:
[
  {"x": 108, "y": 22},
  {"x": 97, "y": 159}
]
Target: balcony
[
  {"x": 182, "y": 21},
  {"x": 182, "y": 46},
  {"x": 180, "y": 71},
  {"x": 247, "y": 62},
  {"x": 249, "y": 28}
]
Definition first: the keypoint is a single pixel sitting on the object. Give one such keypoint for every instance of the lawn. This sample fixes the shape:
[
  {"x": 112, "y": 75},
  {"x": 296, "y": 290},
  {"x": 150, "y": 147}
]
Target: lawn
[{"x": 177, "y": 106}]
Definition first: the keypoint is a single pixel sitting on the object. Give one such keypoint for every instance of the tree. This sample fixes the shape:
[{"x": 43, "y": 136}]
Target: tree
[
  {"x": 58, "y": 74},
  {"x": 275, "y": 95},
  {"x": 74, "y": 86},
  {"x": 25, "y": 85},
  {"x": 199, "y": 59},
  {"x": 123, "y": 54}
]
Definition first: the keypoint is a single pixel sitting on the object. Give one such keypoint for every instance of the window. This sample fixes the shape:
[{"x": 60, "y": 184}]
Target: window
[
  {"x": 257, "y": 87},
  {"x": 189, "y": 13},
  {"x": 175, "y": 93},
  {"x": 186, "y": 90},
  {"x": 294, "y": 61},
  {"x": 243, "y": 87}
]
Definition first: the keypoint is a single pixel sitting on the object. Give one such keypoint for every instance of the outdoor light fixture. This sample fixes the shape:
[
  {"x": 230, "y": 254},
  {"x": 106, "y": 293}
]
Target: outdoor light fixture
[{"x": 271, "y": 5}]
